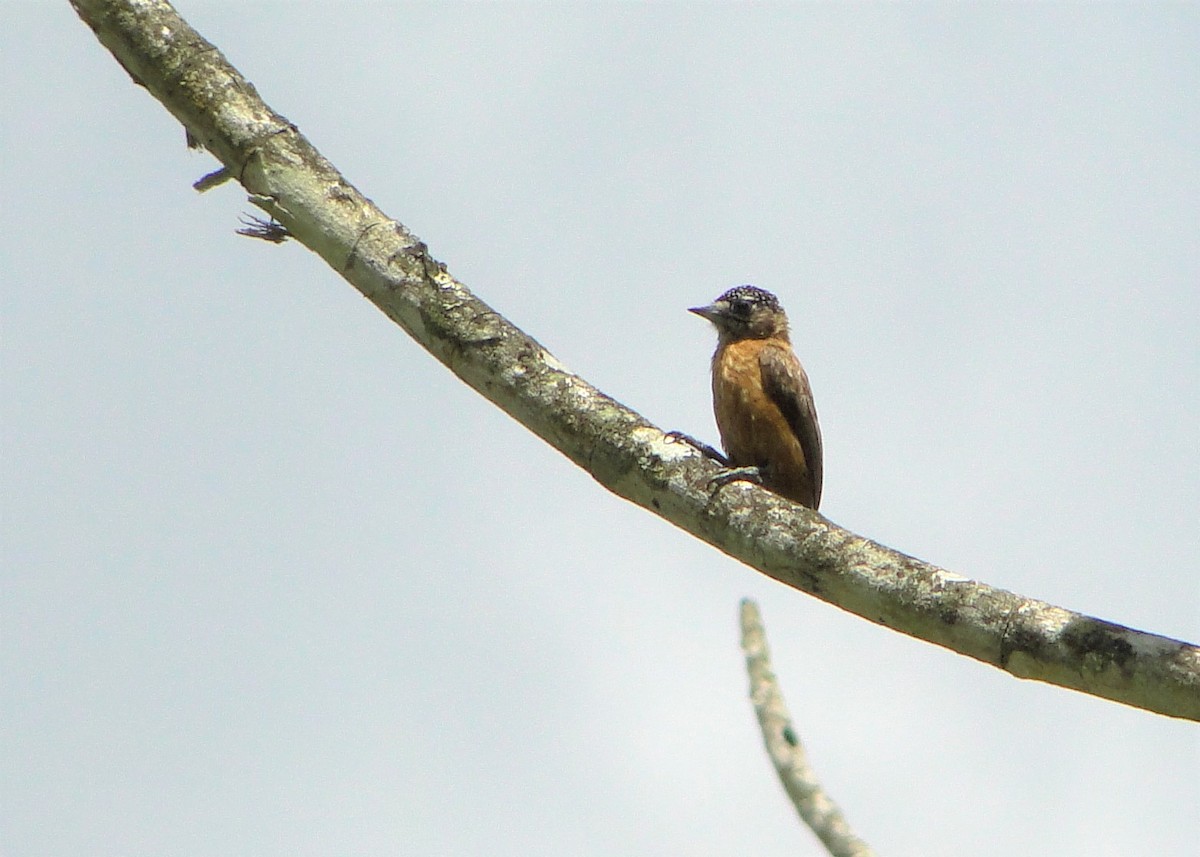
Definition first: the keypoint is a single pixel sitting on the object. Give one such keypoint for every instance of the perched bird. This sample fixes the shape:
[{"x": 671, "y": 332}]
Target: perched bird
[{"x": 761, "y": 397}]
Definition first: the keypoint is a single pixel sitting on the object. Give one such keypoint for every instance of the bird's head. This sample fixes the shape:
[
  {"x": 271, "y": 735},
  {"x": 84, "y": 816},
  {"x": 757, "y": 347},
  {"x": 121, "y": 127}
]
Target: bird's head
[{"x": 746, "y": 312}]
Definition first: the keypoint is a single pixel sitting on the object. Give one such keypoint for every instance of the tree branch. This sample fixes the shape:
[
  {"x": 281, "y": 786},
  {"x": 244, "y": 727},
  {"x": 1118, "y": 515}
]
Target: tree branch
[
  {"x": 293, "y": 183},
  {"x": 816, "y": 808}
]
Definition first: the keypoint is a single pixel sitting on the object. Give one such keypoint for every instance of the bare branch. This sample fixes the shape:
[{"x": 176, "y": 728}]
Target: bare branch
[
  {"x": 787, "y": 754},
  {"x": 295, "y": 185}
]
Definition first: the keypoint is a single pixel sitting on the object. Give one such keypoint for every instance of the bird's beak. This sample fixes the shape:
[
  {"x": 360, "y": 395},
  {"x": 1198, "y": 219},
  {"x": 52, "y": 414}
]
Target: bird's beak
[{"x": 712, "y": 312}]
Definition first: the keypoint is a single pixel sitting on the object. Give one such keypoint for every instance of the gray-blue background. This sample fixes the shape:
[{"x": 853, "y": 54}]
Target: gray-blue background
[{"x": 274, "y": 582}]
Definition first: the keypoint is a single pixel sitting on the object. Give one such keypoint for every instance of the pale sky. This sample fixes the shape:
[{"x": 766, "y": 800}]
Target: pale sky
[{"x": 275, "y": 583}]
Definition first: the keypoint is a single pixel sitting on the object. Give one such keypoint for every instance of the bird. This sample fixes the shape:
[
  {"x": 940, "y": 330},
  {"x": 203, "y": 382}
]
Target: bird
[{"x": 762, "y": 400}]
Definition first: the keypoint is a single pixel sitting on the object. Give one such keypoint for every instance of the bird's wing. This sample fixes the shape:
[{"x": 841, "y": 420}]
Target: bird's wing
[{"x": 786, "y": 384}]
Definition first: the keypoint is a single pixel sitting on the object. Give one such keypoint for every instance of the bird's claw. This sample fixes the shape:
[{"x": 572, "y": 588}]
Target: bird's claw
[
  {"x": 698, "y": 445},
  {"x": 729, "y": 473},
  {"x": 736, "y": 474}
]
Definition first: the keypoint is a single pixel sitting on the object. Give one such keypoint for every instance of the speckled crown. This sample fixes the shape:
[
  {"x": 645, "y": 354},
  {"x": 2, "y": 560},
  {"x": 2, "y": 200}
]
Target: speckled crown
[{"x": 752, "y": 295}]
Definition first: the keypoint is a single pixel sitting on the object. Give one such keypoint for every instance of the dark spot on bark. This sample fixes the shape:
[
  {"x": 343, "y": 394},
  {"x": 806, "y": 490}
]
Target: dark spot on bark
[
  {"x": 1090, "y": 639},
  {"x": 810, "y": 583},
  {"x": 1018, "y": 638}
]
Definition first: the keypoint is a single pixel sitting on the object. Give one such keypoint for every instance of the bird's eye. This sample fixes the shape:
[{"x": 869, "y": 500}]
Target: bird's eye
[{"x": 740, "y": 308}]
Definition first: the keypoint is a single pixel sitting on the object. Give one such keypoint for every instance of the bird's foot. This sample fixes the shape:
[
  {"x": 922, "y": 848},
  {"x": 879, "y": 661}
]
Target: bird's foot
[
  {"x": 700, "y": 446},
  {"x": 736, "y": 474}
]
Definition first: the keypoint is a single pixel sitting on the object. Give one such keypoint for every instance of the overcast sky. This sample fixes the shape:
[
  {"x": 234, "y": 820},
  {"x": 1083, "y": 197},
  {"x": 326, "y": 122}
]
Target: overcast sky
[{"x": 276, "y": 583}]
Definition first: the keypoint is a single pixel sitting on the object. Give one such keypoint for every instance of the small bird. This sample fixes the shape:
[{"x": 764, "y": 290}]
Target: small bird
[{"x": 761, "y": 397}]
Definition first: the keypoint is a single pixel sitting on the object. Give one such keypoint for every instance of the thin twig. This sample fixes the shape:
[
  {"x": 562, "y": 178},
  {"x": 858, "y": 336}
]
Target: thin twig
[{"x": 814, "y": 805}]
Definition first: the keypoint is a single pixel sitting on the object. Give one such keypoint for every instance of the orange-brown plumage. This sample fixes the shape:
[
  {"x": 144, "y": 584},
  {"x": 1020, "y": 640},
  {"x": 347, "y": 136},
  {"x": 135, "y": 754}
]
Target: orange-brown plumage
[{"x": 761, "y": 396}]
